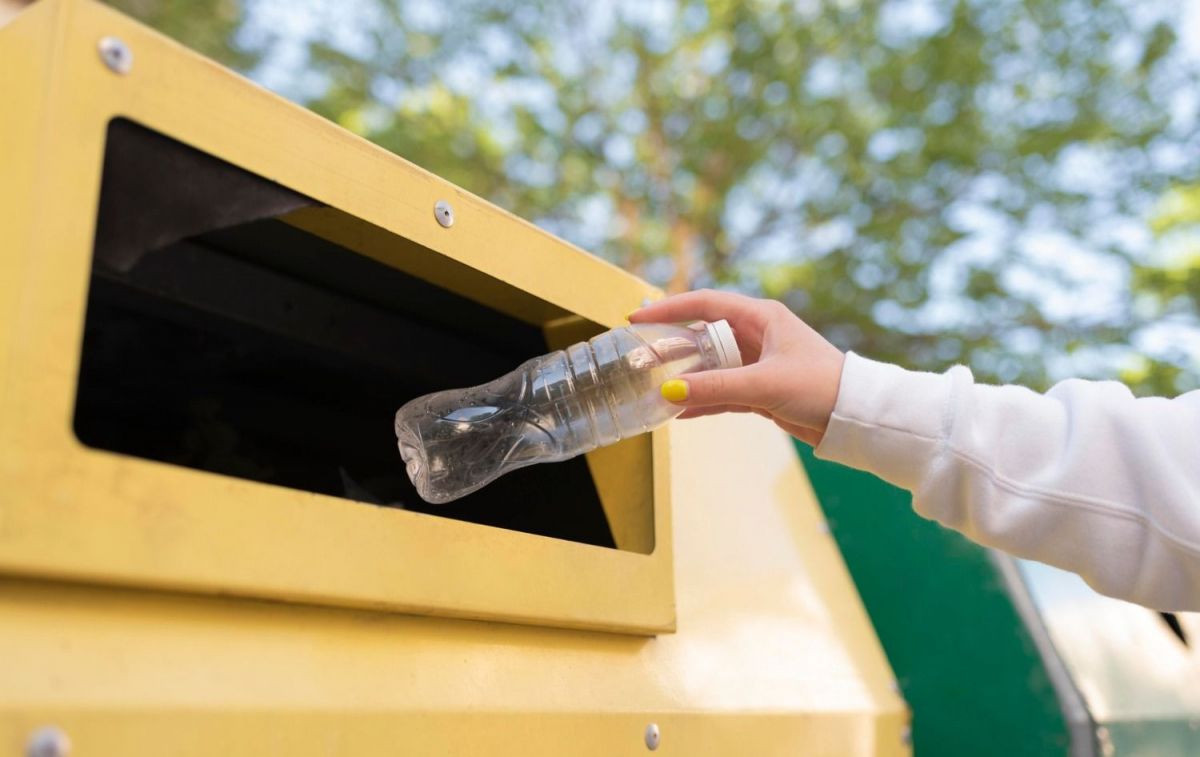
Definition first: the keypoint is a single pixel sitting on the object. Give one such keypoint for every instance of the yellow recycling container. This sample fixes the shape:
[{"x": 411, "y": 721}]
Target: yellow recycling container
[{"x": 211, "y": 301}]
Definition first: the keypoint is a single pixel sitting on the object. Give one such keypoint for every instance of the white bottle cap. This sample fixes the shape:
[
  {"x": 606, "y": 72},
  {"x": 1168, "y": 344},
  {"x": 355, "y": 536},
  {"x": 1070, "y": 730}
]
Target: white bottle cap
[{"x": 727, "y": 347}]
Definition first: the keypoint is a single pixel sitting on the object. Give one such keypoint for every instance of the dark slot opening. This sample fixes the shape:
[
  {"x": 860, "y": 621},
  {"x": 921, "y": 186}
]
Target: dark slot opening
[{"x": 253, "y": 349}]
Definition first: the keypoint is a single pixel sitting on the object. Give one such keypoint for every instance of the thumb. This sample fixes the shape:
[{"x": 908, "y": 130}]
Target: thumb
[{"x": 730, "y": 386}]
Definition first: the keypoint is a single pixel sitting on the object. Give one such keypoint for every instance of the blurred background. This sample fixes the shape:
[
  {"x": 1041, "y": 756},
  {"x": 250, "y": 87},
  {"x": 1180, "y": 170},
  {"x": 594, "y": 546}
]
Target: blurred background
[{"x": 1010, "y": 184}]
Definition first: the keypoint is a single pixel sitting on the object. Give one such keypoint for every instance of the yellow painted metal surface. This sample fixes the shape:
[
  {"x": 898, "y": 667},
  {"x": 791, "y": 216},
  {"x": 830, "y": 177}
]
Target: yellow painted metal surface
[
  {"x": 150, "y": 609},
  {"x": 773, "y": 653},
  {"x": 87, "y": 514}
]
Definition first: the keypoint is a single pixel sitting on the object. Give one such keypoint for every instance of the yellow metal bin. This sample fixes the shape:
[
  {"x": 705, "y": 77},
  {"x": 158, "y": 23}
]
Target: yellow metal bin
[{"x": 210, "y": 302}]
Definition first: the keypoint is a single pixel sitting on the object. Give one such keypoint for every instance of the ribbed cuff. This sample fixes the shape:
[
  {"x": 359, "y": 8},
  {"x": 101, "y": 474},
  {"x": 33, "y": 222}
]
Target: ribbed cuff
[{"x": 887, "y": 420}]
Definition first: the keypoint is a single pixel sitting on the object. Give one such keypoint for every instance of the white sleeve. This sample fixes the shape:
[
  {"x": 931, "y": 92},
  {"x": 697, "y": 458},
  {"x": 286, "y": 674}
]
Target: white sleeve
[{"x": 1085, "y": 477}]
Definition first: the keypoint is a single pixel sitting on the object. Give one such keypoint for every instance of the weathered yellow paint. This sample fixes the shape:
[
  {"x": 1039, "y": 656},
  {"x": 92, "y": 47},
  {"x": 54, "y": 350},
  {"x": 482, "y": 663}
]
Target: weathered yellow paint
[{"x": 131, "y": 592}]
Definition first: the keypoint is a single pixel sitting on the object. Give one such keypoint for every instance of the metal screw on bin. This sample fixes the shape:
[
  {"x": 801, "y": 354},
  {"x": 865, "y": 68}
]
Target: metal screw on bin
[
  {"x": 116, "y": 55},
  {"x": 48, "y": 741},
  {"x": 444, "y": 213},
  {"x": 652, "y": 736}
]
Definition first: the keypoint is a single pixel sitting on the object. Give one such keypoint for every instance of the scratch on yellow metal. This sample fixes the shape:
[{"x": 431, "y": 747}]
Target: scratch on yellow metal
[{"x": 773, "y": 653}]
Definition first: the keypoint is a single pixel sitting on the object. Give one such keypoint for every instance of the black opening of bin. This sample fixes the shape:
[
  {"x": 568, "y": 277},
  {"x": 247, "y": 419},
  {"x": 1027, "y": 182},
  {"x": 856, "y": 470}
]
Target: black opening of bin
[{"x": 220, "y": 338}]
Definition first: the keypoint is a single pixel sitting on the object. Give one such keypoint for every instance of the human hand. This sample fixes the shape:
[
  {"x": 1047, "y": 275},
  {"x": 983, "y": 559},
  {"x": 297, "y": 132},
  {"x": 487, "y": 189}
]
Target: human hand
[{"x": 790, "y": 373}]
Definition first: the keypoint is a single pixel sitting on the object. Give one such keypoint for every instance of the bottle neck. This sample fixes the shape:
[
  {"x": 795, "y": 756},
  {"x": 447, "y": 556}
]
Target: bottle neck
[
  {"x": 718, "y": 340},
  {"x": 710, "y": 353}
]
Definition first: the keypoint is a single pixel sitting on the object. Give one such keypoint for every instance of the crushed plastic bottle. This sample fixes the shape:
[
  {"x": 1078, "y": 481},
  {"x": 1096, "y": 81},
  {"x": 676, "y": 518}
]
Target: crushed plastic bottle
[{"x": 554, "y": 407}]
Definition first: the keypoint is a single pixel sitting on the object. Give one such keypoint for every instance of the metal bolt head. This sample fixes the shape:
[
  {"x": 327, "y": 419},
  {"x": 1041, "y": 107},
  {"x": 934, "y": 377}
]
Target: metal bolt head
[
  {"x": 652, "y": 736},
  {"x": 48, "y": 741},
  {"x": 116, "y": 55},
  {"x": 444, "y": 213}
]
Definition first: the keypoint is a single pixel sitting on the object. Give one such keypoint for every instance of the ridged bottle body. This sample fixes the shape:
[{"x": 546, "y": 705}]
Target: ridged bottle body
[{"x": 550, "y": 408}]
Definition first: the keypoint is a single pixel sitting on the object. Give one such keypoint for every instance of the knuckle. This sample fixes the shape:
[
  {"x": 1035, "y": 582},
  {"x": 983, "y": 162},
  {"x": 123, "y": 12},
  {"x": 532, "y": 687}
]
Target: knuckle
[{"x": 714, "y": 387}]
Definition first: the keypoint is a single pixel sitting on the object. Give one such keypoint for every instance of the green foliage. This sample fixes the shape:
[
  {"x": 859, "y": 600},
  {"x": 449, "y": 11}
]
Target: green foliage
[
  {"x": 207, "y": 26},
  {"x": 925, "y": 182},
  {"x": 1168, "y": 290}
]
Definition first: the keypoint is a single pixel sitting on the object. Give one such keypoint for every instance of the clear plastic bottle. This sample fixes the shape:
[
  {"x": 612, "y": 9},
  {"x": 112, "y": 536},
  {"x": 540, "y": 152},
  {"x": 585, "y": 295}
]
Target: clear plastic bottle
[{"x": 554, "y": 407}]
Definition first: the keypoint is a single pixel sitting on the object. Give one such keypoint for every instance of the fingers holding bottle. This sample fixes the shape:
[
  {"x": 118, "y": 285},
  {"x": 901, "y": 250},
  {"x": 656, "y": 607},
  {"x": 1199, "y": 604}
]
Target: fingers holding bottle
[
  {"x": 740, "y": 390},
  {"x": 746, "y": 315},
  {"x": 791, "y": 374},
  {"x": 729, "y": 386}
]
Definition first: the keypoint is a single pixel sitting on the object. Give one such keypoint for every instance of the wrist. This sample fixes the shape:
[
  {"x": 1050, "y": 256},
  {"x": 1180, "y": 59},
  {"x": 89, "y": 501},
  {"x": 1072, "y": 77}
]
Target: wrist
[{"x": 831, "y": 382}]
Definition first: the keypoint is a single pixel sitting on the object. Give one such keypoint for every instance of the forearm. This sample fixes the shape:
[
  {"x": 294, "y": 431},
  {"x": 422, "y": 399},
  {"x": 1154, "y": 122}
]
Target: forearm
[{"x": 1084, "y": 477}]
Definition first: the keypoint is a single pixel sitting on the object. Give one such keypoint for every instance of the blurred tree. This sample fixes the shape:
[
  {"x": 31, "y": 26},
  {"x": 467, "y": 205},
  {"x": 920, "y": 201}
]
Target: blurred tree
[
  {"x": 1168, "y": 292},
  {"x": 206, "y": 26},
  {"x": 925, "y": 181}
]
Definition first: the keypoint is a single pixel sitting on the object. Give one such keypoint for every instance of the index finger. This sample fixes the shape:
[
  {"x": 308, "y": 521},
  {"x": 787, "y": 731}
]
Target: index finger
[{"x": 704, "y": 305}]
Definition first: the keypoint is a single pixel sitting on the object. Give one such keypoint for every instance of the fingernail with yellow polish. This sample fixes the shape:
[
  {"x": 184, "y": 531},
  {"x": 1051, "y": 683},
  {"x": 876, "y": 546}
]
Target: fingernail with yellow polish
[{"x": 675, "y": 390}]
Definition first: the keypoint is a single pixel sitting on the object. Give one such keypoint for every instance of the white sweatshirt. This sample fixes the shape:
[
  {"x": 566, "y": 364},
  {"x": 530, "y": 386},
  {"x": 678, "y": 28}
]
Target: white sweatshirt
[{"x": 1085, "y": 477}]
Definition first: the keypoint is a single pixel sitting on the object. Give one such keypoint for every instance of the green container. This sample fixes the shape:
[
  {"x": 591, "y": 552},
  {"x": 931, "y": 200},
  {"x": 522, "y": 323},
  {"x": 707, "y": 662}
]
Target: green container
[{"x": 965, "y": 661}]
